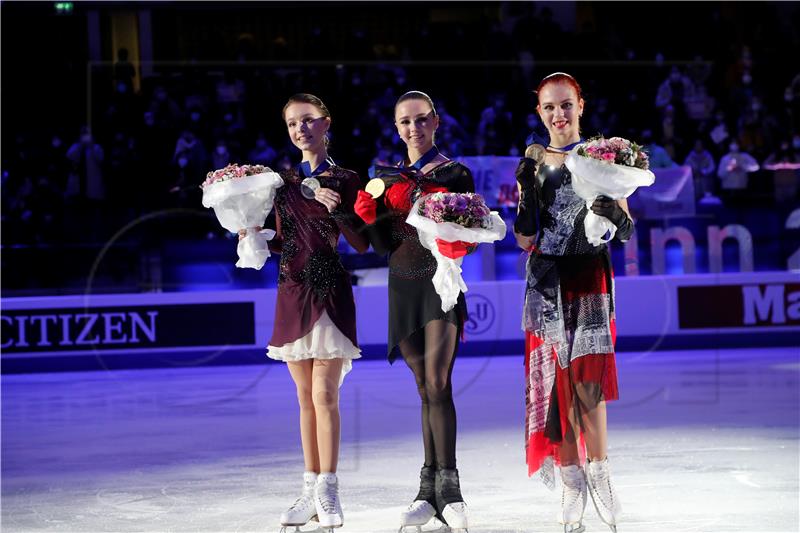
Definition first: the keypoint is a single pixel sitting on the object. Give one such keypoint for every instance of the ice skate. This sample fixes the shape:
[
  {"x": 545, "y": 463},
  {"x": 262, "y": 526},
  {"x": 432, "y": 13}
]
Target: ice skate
[
  {"x": 303, "y": 509},
  {"x": 573, "y": 498},
  {"x": 598, "y": 479},
  {"x": 326, "y": 500},
  {"x": 421, "y": 510},
  {"x": 449, "y": 501}
]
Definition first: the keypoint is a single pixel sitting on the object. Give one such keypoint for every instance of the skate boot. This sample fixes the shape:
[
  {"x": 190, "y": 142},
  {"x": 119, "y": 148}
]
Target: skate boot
[
  {"x": 598, "y": 479},
  {"x": 326, "y": 500},
  {"x": 302, "y": 510},
  {"x": 422, "y": 509},
  {"x": 573, "y": 498},
  {"x": 449, "y": 502}
]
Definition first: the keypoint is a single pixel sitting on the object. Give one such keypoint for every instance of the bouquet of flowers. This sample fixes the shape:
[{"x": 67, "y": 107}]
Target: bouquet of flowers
[
  {"x": 453, "y": 217},
  {"x": 242, "y": 197},
  {"x": 613, "y": 167}
]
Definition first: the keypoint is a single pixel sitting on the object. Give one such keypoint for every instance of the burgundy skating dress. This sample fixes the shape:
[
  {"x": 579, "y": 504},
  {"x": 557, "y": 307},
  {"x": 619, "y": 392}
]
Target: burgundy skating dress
[
  {"x": 568, "y": 318},
  {"x": 315, "y": 316}
]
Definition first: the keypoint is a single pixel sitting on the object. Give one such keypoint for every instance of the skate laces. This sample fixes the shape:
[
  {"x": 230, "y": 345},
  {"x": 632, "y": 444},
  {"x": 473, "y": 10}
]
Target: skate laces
[
  {"x": 327, "y": 499},
  {"x": 601, "y": 483},
  {"x": 599, "y": 473},
  {"x": 301, "y": 503}
]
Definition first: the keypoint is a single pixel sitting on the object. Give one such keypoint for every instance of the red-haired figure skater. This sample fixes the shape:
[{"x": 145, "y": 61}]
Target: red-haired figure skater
[{"x": 568, "y": 315}]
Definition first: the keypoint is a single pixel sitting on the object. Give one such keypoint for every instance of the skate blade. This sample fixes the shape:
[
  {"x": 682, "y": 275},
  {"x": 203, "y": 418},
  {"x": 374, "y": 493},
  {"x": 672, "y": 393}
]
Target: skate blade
[
  {"x": 305, "y": 528},
  {"x": 437, "y": 528}
]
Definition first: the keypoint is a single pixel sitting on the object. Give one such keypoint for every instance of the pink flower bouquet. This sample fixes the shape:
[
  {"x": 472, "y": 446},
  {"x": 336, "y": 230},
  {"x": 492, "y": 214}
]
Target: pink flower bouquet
[
  {"x": 242, "y": 197},
  {"x": 613, "y": 167},
  {"x": 453, "y": 217}
]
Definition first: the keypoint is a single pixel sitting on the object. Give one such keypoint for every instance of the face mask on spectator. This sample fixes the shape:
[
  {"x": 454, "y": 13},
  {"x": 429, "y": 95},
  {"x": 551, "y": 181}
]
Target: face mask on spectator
[
  {"x": 182, "y": 162},
  {"x": 221, "y": 150},
  {"x": 195, "y": 116},
  {"x": 122, "y": 88},
  {"x": 733, "y": 147},
  {"x": 796, "y": 143},
  {"x": 746, "y": 78}
]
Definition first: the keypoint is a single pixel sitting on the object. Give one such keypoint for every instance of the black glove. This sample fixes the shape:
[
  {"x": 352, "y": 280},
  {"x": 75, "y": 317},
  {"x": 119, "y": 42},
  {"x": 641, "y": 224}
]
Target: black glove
[
  {"x": 526, "y": 172},
  {"x": 525, "y": 223},
  {"x": 606, "y": 207}
]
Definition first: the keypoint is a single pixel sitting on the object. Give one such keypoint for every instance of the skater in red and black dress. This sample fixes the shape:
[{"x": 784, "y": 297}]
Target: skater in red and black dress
[
  {"x": 315, "y": 326},
  {"x": 568, "y": 315},
  {"x": 426, "y": 337}
]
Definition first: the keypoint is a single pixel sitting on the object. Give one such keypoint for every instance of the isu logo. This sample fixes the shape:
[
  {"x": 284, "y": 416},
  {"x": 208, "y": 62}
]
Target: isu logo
[{"x": 480, "y": 313}]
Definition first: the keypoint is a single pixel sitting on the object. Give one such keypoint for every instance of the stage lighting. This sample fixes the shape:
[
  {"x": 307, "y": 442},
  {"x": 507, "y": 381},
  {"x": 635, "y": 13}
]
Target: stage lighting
[{"x": 64, "y": 8}]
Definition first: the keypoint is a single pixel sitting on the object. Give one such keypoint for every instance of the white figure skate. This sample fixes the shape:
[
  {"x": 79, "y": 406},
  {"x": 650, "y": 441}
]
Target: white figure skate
[
  {"x": 326, "y": 500},
  {"x": 303, "y": 510},
  {"x": 598, "y": 479},
  {"x": 420, "y": 512},
  {"x": 573, "y": 499},
  {"x": 448, "y": 499}
]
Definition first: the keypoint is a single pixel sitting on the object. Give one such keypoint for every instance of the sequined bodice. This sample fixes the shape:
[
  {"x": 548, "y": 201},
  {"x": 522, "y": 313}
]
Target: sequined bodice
[
  {"x": 409, "y": 259},
  {"x": 309, "y": 234}
]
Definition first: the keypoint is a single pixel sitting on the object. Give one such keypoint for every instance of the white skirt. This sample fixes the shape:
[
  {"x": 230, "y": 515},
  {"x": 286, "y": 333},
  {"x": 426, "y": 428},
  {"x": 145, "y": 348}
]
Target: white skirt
[{"x": 324, "y": 341}]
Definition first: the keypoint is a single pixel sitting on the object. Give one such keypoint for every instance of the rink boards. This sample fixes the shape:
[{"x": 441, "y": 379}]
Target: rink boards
[{"x": 232, "y": 327}]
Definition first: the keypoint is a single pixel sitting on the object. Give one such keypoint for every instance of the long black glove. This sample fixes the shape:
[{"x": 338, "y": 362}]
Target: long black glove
[
  {"x": 525, "y": 224},
  {"x": 606, "y": 207}
]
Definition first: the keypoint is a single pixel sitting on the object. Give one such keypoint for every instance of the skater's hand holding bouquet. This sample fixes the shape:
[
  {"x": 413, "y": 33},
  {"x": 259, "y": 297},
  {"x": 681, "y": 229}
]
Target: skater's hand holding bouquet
[
  {"x": 449, "y": 224},
  {"x": 242, "y": 197},
  {"x": 603, "y": 171}
]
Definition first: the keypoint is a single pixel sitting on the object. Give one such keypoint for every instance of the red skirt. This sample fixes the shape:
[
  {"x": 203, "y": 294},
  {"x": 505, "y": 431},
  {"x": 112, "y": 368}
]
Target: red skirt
[{"x": 551, "y": 383}]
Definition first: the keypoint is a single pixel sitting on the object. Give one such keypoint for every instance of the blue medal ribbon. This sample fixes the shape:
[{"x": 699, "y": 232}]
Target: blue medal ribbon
[
  {"x": 304, "y": 168},
  {"x": 383, "y": 171},
  {"x": 568, "y": 147}
]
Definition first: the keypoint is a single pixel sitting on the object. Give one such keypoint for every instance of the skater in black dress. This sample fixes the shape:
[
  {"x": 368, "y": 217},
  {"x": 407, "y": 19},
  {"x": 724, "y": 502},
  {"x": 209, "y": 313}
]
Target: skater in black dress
[{"x": 425, "y": 336}]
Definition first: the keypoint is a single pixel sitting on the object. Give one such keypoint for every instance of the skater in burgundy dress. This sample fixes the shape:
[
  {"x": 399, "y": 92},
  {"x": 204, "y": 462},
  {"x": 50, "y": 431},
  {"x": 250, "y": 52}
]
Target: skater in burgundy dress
[
  {"x": 315, "y": 324},
  {"x": 426, "y": 337},
  {"x": 568, "y": 315}
]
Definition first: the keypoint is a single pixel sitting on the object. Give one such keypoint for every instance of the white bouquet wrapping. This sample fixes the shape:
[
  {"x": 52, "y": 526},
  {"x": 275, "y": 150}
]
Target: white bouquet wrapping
[
  {"x": 613, "y": 167},
  {"x": 453, "y": 217},
  {"x": 242, "y": 197}
]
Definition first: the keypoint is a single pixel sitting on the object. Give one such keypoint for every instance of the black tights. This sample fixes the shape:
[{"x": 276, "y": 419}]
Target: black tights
[{"x": 430, "y": 353}]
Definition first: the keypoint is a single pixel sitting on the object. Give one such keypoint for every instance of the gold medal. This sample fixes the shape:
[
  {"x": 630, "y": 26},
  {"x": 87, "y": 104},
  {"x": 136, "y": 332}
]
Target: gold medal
[{"x": 375, "y": 187}]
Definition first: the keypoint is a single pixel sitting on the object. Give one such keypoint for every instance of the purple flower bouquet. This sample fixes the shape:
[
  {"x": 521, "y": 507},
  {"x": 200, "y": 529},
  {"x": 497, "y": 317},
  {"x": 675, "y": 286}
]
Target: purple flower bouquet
[{"x": 453, "y": 217}]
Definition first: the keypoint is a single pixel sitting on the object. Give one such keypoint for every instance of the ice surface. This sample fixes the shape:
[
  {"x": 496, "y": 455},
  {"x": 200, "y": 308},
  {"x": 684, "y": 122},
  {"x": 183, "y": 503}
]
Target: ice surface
[{"x": 699, "y": 441}]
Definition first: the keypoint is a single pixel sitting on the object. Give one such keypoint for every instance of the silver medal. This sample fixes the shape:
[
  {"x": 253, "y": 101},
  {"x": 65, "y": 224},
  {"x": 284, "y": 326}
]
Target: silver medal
[{"x": 309, "y": 187}]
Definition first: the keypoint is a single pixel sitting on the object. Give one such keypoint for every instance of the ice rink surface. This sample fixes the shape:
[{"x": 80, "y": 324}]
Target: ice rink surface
[{"x": 699, "y": 441}]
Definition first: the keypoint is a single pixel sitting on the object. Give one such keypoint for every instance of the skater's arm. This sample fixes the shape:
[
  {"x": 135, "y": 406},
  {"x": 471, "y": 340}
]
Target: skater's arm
[
  {"x": 350, "y": 224},
  {"x": 379, "y": 232}
]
